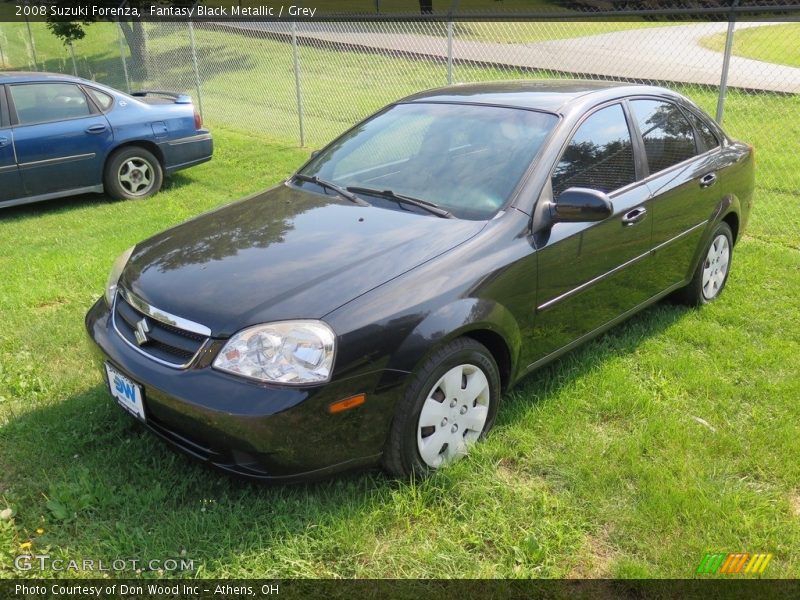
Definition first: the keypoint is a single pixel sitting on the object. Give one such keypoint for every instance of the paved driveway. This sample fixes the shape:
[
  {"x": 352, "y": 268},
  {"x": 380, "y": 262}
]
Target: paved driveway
[{"x": 671, "y": 54}]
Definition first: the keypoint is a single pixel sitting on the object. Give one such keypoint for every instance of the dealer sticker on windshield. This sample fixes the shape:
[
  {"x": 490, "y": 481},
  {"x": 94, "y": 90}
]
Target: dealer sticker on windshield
[{"x": 126, "y": 392}]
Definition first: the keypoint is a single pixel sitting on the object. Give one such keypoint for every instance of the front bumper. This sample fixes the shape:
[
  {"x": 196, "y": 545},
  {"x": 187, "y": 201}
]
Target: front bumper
[{"x": 255, "y": 430}]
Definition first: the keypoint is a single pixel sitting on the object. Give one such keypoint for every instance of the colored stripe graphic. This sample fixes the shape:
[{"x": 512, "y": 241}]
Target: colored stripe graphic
[
  {"x": 710, "y": 563},
  {"x": 760, "y": 565},
  {"x": 729, "y": 560},
  {"x": 734, "y": 563}
]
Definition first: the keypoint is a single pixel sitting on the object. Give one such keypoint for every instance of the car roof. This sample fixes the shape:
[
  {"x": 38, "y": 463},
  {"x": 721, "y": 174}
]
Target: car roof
[
  {"x": 555, "y": 96},
  {"x": 27, "y": 76}
]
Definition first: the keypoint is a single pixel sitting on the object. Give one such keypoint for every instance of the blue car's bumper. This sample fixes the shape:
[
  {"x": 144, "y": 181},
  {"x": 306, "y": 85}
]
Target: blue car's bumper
[{"x": 185, "y": 152}]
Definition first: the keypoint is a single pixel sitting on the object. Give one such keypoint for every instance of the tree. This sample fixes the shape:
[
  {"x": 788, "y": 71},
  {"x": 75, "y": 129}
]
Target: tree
[{"x": 71, "y": 31}]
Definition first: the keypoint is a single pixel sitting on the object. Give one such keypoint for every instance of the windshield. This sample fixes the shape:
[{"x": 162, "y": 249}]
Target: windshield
[{"x": 467, "y": 159}]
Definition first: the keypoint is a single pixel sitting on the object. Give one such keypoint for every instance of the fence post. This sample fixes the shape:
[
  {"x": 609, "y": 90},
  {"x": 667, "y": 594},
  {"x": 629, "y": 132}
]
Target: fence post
[
  {"x": 296, "y": 58},
  {"x": 122, "y": 57},
  {"x": 74, "y": 64},
  {"x": 196, "y": 69},
  {"x": 449, "y": 53},
  {"x": 726, "y": 63},
  {"x": 33, "y": 45},
  {"x": 2, "y": 57}
]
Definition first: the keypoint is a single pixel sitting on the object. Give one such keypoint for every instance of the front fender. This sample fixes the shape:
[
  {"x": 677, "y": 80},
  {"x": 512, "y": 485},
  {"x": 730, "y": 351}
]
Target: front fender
[{"x": 466, "y": 316}]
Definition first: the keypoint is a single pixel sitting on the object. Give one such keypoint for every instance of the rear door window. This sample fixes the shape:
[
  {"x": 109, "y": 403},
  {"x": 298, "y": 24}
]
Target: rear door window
[
  {"x": 4, "y": 119},
  {"x": 707, "y": 140},
  {"x": 599, "y": 156},
  {"x": 42, "y": 102},
  {"x": 103, "y": 100},
  {"x": 668, "y": 136}
]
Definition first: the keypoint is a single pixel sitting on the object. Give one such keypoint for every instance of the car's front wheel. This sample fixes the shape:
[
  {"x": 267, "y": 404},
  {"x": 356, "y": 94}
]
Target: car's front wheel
[
  {"x": 449, "y": 405},
  {"x": 132, "y": 173},
  {"x": 711, "y": 275}
]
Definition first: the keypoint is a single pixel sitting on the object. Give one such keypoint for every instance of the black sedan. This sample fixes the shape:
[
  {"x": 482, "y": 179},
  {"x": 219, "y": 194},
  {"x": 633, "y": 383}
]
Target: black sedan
[{"x": 372, "y": 308}]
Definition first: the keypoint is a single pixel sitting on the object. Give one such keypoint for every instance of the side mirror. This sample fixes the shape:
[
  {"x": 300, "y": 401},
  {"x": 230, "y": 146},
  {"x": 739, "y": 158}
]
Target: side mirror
[
  {"x": 314, "y": 153},
  {"x": 580, "y": 205}
]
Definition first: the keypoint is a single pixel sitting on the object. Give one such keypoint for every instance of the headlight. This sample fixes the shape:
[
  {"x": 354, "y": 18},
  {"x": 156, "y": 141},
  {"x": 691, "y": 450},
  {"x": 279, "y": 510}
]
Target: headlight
[
  {"x": 116, "y": 271},
  {"x": 287, "y": 352}
]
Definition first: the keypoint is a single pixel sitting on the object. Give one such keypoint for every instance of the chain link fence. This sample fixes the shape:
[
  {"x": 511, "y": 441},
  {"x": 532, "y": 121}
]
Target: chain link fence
[{"x": 303, "y": 83}]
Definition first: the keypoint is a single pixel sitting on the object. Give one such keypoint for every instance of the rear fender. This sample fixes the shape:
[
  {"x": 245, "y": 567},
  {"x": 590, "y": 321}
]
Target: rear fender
[{"x": 729, "y": 204}]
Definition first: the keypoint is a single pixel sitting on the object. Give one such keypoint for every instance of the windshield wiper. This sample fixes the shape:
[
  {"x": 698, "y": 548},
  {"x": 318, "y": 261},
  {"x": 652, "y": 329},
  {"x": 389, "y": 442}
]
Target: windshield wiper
[
  {"x": 432, "y": 208},
  {"x": 343, "y": 192}
]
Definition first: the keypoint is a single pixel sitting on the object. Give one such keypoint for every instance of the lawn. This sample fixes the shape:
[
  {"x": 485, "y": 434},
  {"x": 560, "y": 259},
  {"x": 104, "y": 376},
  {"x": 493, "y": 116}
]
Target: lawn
[
  {"x": 773, "y": 44},
  {"x": 671, "y": 436}
]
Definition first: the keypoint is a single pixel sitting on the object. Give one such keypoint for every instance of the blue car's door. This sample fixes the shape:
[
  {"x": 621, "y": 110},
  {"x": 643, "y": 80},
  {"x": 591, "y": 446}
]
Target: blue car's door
[
  {"x": 10, "y": 188},
  {"x": 60, "y": 137}
]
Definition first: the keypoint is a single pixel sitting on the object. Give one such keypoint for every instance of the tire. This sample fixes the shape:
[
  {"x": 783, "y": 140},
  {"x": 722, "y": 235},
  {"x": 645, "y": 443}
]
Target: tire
[
  {"x": 132, "y": 173},
  {"x": 711, "y": 275},
  {"x": 438, "y": 417}
]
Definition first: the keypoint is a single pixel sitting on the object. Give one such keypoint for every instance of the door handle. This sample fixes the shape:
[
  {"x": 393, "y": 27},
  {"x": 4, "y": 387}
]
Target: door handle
[
  {"x": 4, "y": 141},
  {"x": 96, "y": 129},
  {"x": 708, "y": 180},
  {"x": 634, "y": 216}
]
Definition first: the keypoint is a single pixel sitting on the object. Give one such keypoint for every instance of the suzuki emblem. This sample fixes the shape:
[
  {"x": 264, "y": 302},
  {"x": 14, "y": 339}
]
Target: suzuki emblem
[{"x": 142, "y": 329}]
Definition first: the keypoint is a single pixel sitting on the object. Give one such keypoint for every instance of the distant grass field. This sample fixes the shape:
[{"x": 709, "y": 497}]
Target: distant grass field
[
  {"x": 247, "y": 83},
  {"x": 673, "y": 435},
  {"x": 522, "y": 33},
  {"x": 774, "y": 44}
]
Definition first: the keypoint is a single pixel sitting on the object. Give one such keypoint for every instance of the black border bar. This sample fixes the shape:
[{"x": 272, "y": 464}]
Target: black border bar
[
  {"x": 403, "y": 10},
  {"x": 401, "y": 589}
]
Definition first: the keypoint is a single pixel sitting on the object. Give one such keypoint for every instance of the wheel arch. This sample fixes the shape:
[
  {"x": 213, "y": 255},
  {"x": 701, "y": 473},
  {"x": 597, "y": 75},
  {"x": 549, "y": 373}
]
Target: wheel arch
[
  {"x": 148, "y": 145},
  {"x": 727, "y": 211},
  {"x": 498, "y": 348},
  {"x": 485, "y": 321},
  {"x": 732, "y": 219}
]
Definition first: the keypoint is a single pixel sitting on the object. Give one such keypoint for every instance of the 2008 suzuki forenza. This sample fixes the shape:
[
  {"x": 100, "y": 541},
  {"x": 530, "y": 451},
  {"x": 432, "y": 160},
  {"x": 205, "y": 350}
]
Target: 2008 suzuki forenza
[{"x": 372, "y": 308}]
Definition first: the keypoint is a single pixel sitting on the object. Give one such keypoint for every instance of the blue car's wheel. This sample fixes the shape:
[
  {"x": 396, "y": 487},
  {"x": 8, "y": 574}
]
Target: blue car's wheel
[{"x": 132, "y": 173}]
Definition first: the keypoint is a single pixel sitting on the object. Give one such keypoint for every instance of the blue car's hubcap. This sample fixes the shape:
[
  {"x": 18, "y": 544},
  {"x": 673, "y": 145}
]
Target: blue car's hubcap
[{"x": 136, "y": 176}]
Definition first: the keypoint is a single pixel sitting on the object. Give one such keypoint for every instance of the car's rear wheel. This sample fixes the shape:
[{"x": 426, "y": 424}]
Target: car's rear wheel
[
  {"x": 448, "y": 406},
  {"x": 132, "y": 173},
  {"x": 712, "y": 273}
]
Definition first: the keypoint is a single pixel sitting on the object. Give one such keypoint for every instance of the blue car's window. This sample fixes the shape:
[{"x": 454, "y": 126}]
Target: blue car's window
[
  {"x": 40, "y": 102},
  {"x": 467, "y": 159},
  {"x": 599, "y": 156},
  {"x": 103, "y": 100}
]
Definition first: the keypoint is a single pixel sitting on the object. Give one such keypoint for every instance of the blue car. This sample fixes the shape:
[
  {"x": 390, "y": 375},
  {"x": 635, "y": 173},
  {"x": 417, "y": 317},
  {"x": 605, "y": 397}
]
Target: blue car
[{"x": 61, "y": 136}]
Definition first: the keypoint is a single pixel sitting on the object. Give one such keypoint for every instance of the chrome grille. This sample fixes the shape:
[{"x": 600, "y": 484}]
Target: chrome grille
[{"x": 157, "y": 334}]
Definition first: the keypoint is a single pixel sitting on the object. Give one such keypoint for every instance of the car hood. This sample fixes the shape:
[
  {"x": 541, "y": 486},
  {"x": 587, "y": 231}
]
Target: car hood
[{"x": 282, "y": 254}]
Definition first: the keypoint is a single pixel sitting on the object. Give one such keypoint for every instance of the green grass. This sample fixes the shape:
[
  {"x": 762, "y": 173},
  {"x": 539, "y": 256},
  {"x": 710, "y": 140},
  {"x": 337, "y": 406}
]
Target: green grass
[
  {"x": 96, "y": 56},
  {"x": 671, "y": 436},
  {"x": 773, "y": 44},
  {"x": 520, "y": 32}
]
